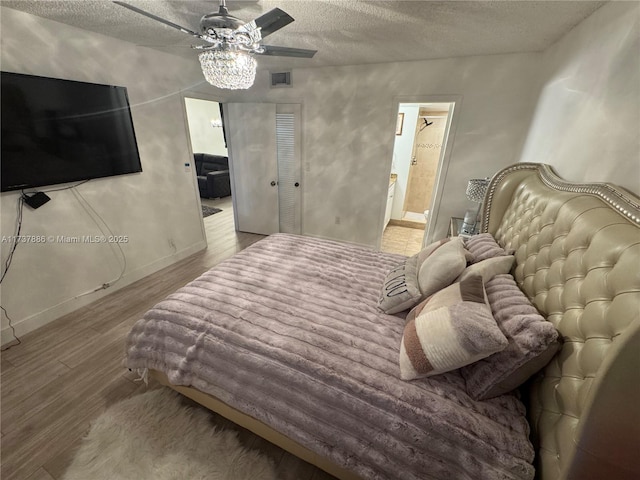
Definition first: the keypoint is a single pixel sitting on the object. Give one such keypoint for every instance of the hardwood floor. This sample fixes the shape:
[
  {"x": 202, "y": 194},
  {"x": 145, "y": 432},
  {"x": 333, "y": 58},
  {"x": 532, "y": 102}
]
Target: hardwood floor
[{"x": 65, "y": 374}]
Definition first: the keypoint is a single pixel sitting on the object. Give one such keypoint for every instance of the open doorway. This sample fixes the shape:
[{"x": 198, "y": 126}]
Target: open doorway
[
  {"x": 419, "y": 155},
  {"x": 210, "y": 159}
]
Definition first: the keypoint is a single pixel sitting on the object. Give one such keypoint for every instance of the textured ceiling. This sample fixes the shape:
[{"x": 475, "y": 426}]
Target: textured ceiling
[{"x": 345, "y": 32}]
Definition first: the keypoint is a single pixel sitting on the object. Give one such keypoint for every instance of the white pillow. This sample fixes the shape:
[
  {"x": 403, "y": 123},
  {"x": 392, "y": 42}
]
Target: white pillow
[
  {"x": 442, "y": 266},
  {"x": 419, "y": 276}
]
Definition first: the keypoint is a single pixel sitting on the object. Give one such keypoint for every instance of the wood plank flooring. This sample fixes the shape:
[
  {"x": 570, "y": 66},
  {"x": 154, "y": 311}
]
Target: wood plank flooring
[{"x": 65, "y": 374}]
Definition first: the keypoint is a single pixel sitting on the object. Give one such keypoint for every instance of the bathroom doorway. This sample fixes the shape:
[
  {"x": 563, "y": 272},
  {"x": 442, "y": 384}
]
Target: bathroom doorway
[
  {"x": 425, "y": 158},
  {"x": 419, "y": 158}
]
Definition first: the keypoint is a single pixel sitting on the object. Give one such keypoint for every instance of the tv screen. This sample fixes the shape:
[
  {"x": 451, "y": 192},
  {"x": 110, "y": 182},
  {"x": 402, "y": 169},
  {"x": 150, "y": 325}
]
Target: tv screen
[{"x": 58, "y": 131}]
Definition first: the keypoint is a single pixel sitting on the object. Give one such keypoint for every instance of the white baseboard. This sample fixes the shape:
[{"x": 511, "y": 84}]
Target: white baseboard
[{"x": 37, "y": 320}]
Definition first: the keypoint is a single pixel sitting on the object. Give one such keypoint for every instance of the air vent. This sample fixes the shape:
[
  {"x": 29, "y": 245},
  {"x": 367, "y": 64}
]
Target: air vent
[{"x": 280, "y": 79}]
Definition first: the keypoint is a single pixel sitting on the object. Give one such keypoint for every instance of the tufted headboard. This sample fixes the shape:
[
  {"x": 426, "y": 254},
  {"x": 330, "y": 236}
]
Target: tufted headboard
[{"x": 577, "y": 249}]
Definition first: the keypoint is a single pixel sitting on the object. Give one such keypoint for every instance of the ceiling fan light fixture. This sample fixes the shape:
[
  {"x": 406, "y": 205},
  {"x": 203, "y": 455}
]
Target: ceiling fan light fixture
[
  {"x": 228, "y": 69},
  {"x": 227, "y": 55}
]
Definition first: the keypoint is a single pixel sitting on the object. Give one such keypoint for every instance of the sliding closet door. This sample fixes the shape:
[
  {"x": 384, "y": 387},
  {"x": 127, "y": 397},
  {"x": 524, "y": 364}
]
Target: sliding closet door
[{"x": 251, "y": 141}]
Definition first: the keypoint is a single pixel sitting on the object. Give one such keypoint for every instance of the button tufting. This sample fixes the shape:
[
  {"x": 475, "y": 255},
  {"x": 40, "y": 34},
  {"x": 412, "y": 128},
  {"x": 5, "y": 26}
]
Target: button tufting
[{"x": 574, "y": 249}]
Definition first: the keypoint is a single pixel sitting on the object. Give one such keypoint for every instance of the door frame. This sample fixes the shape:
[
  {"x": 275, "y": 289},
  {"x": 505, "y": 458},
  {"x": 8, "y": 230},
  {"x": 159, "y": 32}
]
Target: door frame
[
  {"x": 199, "y": 96},
  {"x": 445, "y": 154}
]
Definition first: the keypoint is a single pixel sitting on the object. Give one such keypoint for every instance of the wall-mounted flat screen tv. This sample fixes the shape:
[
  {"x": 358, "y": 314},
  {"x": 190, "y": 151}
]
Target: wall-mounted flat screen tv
[{"x": 58, "y": 131}]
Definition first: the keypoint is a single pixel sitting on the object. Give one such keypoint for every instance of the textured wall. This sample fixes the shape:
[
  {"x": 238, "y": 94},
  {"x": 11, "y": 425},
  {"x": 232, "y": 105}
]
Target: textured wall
[
  {"x": 586, "y": 125},
  {"x": 587, "y": 120},
  {"x": 349, "y": 118},
  {"x": 157, "y": 209}
]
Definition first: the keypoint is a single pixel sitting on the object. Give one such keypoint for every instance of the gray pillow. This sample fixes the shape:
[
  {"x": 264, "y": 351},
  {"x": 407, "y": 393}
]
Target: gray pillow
[
  {"x": 483, "y": 246},
  {"x": 434, "y": 267},
  {"x": 532, "y": 342},
  {"x": 400, "y": 290}
]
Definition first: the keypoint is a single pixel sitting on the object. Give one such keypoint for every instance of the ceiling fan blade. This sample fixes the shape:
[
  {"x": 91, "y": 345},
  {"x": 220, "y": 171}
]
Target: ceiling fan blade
[
  {"x": 287, "y": 52},
  {"x": 272, "y": 21},
  {"x": 158, "y": 19}
]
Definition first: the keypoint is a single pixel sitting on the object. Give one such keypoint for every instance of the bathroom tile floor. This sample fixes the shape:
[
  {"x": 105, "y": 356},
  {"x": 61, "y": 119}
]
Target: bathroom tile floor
[{"x": 402, "y": 240}]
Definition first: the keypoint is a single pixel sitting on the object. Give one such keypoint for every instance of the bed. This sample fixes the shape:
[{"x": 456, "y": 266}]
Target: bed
[{"x": 287, "y": 340}]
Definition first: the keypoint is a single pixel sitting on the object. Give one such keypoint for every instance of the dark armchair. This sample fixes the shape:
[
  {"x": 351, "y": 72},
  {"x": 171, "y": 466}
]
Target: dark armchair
[{"x": 213, "y": 175}]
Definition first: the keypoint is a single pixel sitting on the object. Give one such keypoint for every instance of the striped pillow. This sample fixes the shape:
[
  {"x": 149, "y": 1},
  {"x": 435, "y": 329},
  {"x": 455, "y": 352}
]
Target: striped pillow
[
  {"x": 483, "y": 246},
  {"x": 449, "y": 330},
  {"x": 533, "y": 341}
]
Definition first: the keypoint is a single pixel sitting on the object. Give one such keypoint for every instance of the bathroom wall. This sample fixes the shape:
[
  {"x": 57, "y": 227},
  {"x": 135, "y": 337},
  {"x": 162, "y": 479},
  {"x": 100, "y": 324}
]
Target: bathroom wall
[
  {"x": 428, "y": 146},
  {"x": 402, "y": 148}
]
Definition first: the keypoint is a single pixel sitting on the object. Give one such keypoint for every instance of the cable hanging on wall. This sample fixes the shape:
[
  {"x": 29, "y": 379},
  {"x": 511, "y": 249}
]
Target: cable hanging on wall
[
  {"x": 29, "y": 197},
  {"x": 93, "y": 214},
  {"x": 7, "y": 264}
]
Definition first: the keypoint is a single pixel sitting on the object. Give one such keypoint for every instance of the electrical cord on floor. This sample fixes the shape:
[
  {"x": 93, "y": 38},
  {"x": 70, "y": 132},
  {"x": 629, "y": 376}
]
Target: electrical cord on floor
[{"x": 12, "y": 329}]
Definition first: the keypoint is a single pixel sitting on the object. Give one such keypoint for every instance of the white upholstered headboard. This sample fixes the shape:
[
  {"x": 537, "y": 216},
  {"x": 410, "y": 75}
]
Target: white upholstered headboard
[{"x": 578, "y": 260}]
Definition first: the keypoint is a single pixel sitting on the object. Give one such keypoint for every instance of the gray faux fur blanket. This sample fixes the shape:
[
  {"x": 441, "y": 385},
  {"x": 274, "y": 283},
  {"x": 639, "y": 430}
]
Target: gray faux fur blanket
[{"x": 288, "y": 331}]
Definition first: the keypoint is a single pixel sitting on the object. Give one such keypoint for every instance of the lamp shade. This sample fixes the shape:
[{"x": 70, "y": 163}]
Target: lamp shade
[{"x": 476, "y": 188}]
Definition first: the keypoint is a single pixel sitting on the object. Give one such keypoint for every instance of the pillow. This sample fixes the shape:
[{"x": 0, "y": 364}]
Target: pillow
[
  {"x": 483, "y": 246},
  {"x": 442, "y": 266},
  {"x": 429, "y": 249},
  {"x": 450, "y": 329},
  {"x": 489, "y": 268},
  {"x": 400, "y": 289},
  {"x": 433, "y": 268},
  {"x": 532, "y": 342}
]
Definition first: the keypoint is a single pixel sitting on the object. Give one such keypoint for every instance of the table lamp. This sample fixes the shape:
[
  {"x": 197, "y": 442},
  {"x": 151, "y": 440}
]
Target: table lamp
[{"x": 476, "y": 189}]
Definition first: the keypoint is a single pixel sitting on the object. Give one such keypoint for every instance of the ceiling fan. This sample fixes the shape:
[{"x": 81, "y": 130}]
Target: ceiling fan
[{"x": 227, "y": 55}]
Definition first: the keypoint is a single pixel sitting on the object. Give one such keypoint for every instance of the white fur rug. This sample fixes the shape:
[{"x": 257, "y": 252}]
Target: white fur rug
[{"x": 154, "y": 436}]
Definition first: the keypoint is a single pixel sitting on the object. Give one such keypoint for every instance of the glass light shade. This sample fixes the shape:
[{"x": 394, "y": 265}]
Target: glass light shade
[
  {"x": 231, "y": 70},
  {"x": 476, "y": 188}
]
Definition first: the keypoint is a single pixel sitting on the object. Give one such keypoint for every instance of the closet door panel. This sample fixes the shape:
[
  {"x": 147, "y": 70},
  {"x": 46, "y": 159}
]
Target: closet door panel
[
  {"x": 251, "y": 141},
  {"x": 288, "y": 157}
]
